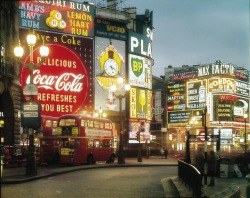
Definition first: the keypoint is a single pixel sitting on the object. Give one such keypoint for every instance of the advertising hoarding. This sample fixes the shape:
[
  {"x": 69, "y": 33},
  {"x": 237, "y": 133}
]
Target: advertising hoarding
[
  {"x": 221, "y": 85},
  {"x": 66, "y": 17},
  {"x": 141, "y": 43},
  {"x": 139, "y": 126},
  {"x": 196, "y": 94},
  {"x": 140, "y": 72},
  {"x": 109, "y": 65},
  {"x": 64, "y": 80},
  {"x": 140, "y": 103},
  {"x": 111, "y": 29},
  {"x": 176, "y": 96},
  {"x": 230, "y": 107}
]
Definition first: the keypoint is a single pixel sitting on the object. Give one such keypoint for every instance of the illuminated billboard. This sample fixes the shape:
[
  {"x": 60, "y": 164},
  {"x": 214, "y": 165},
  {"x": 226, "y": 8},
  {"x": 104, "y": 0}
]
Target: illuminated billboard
[
  {"x": 176, "y": 96},
  {"x": 196, "y": 94},
  {"x": 140, "y": 126},
  {"x": 141, "y": 43},
  {"x": 109, "y": 65},
  {"x": 140, "y": 103},
  {"x": 58, "y": 16},
  {"x": 140, "y": 71},
  {"x": 111, "y": 29},
  {"x": 230, "y": 107},
  {"x": 221, "y": 85},
  {"x": 64, "y": 80}
]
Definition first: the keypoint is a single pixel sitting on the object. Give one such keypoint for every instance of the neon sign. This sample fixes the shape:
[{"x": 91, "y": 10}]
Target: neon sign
[{"x": 64, "y": 79}]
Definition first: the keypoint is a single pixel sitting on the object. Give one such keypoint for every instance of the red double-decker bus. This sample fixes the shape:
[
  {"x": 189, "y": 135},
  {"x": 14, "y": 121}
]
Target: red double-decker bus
[
  {"x": 48, "y": 125},
  {"x": 79, "y": 140}
]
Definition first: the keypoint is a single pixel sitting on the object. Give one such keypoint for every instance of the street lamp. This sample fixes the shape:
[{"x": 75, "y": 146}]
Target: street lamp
[
  {"x": 100, "y": 114},
  {"x": 193, "y": 121},
  {"x": 19, "y": 51},
  {"x": 118, "y": 92},
  {"x": 218, "y": 150},
  {"x": 245, "y": 117},
  {"x": 188, "y": 160}
]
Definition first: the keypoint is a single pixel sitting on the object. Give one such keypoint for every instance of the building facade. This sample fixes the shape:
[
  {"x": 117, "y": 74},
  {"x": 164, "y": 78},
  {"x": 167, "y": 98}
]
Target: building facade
[
  {"x": 10, "y": 89},
  {"x": 86, "y": 43},
  {"x": 218, "y": 91}
]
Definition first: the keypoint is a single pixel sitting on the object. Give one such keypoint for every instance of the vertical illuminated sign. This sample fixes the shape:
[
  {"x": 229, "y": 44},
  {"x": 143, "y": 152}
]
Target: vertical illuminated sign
[{"x": 140, "y": 103}]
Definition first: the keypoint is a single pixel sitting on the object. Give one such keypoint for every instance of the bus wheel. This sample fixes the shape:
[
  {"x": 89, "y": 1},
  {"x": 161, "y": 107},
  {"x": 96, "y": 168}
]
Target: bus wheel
[
  {"x": 111, "y": 159},
  {"x": 90, "y": 159}
]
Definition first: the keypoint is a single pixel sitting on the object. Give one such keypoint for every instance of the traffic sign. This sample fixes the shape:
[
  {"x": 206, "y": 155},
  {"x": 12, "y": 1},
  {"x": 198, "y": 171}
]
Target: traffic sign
[
  {"x": 30, "y": 89},
  {"x": 201, "y": 136}
]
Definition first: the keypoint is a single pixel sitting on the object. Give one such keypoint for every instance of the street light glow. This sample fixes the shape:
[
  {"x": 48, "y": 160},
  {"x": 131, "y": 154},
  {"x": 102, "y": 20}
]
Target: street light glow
[
  {"x": 19, "y": 51},
  {"x": 31, "y": 38}
]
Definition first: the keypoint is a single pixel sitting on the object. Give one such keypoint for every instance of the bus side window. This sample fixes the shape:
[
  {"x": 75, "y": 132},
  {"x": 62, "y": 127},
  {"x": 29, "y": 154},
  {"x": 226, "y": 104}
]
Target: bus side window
[
  {"x": 101, "y": 124},
  {"x": 108, "y": 126},
  {"x": 91, "y": 123},
  {"x": 97, "y": 124},
  {"x": 97, "y": 144},
  {"x": 90, "y": 144},
  {"x": 83, "y": 123}
]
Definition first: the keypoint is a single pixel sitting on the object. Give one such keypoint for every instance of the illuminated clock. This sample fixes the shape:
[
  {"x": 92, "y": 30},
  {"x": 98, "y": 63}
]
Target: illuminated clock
[{"x": 111, "y": 67}]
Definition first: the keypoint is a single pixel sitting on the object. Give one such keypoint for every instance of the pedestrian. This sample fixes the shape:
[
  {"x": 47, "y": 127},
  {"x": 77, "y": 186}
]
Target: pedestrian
[
  {"x": 199, "y": 161},
  {"x": 166, "y": 153},
  {"x": 211, "y": 162},
  {"x": 162, "y": 153}
]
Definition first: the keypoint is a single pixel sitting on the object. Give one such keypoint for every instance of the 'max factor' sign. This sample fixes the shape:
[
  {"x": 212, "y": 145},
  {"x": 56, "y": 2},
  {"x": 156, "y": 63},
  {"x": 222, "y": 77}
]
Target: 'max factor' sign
[{"x": 216, "y": 69}]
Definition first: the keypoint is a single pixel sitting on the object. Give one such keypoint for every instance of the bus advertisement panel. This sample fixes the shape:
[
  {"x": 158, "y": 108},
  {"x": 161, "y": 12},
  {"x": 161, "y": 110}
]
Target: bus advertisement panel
[{"x": 79, "y": 139}]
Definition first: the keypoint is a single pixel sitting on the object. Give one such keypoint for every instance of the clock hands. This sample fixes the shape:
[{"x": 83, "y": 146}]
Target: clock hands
[{"x": 112, "y": 67}]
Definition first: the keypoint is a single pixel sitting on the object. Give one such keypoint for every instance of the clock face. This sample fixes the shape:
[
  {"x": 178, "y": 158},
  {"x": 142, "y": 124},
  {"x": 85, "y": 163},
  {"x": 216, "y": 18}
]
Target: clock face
[{"x": 111, "y": 67}]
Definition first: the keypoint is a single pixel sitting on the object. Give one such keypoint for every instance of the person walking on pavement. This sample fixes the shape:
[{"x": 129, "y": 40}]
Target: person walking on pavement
[
  {"x": 199, "y": 161},
  {"x": 162, "y": 153},
  {"x": 166, "y": 153},
  {"x": 211, "y": 167}
]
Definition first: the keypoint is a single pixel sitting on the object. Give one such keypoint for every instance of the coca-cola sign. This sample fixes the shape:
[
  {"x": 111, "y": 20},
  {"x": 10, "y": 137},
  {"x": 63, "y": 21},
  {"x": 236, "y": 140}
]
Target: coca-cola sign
[{"x": 63, "y": 81}]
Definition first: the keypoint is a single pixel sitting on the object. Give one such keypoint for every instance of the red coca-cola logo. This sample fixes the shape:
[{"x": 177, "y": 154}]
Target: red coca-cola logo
[{"x": 62, "y": 81}]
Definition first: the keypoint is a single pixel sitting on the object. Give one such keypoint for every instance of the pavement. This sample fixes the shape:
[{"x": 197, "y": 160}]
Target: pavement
[{"x": 173, "y": 186}]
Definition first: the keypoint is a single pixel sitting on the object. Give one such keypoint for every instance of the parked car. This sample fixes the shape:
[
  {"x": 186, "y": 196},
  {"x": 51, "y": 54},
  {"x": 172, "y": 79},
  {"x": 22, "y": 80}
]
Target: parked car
[{"x": 14, "y": 155}]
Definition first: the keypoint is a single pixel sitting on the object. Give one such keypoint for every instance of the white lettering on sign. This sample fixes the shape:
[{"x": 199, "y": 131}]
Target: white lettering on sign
[
  {"x": 135, "y": 43},
  {"x": 215, "y": 69},
  {"x": 65, "y": 82},
  {"x": 98, "y": 132},
  {"x": 222, "y": 84},
  {"x": 150, "y": 34}
]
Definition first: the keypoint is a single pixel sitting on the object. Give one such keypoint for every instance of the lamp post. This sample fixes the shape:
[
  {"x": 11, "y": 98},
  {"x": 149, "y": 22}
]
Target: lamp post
[
  {"x": 188, "y": 160},
  {"x": 19, "y": 51},
  {"x": 100, "y": 113},
  {"x": 118, "y": 92},
  {"x": 245, "y": 117},
  {"x": 218, "y": 150}
]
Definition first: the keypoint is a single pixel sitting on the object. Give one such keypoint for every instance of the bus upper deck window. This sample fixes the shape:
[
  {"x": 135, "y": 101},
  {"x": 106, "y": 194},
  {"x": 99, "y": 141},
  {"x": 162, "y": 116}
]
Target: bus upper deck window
[
  {"x": 48, "y": 123},
  {"x": 54, "y": 124},
  {"x": 96, "y": 124},
  {"x": 91, "y": 123},
  {"x": 83, "y": 123},
  {"x": 107, "y": 126}
]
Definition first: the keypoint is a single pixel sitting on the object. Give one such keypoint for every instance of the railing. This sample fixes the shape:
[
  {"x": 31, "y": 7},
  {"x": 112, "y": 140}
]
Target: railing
[{"x": 190, "y": 176}]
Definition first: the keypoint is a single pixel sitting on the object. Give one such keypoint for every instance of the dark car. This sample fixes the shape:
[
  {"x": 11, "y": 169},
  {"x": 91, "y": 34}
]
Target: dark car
[{"x": 14, "y": 155}]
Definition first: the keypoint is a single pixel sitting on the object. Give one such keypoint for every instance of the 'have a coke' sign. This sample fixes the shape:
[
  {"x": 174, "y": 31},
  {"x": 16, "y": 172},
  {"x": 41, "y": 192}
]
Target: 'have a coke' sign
[{"x": 62, "y": 81}]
